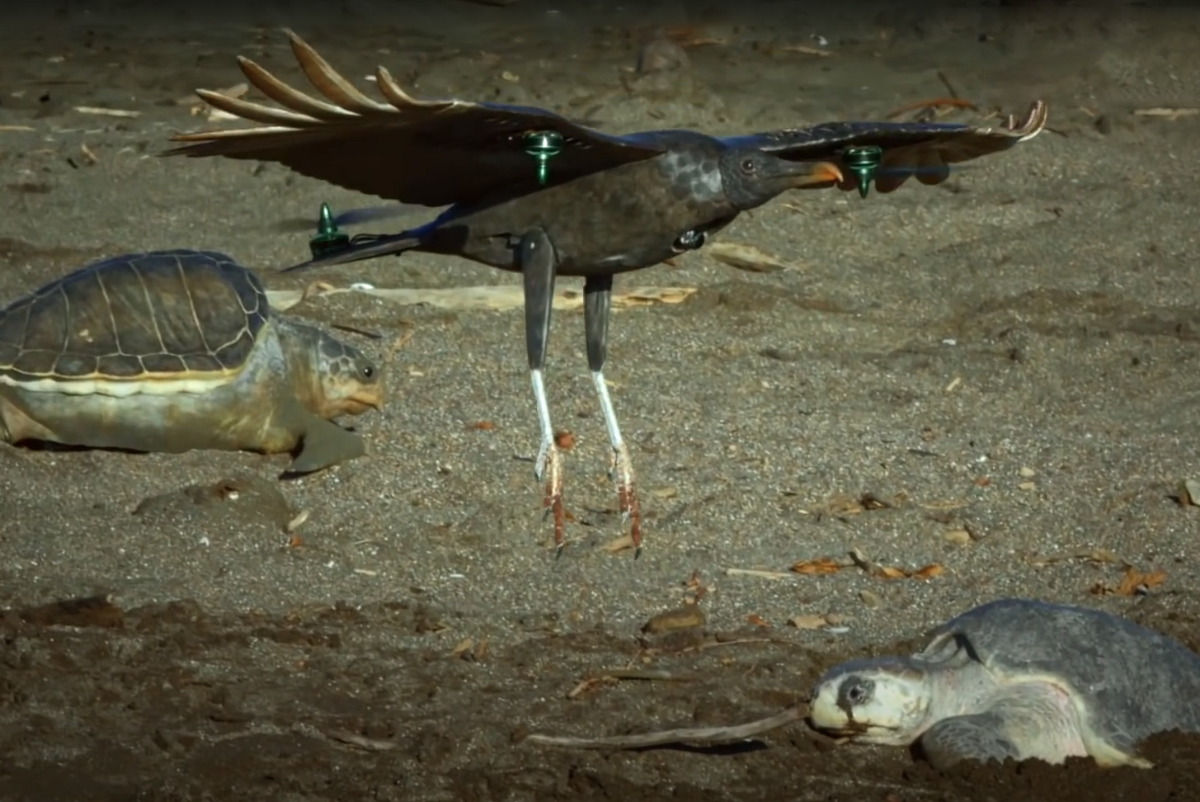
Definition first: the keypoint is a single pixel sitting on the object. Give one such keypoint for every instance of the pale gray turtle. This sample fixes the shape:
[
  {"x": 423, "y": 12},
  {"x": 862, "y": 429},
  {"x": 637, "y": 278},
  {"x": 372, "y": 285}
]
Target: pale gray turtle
[
  {"x": 1019, "y": 679},
  {"x": 177, "y": 350}
]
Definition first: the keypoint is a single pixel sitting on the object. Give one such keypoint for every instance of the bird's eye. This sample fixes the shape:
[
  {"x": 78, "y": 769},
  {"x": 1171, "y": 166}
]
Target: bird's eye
[
  {"x": 368, "y": 372},
  {"x": 748, "y": 165}
]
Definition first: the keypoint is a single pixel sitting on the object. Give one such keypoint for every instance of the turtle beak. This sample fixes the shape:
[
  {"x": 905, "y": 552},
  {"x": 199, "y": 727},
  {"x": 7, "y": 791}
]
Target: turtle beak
[
  {"x": 364, "y": 399},
  {"x": 814, "y": 174}
]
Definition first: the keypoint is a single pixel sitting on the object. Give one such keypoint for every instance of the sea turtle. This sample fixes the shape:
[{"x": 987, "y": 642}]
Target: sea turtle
[
  {"x": 176, "y": 350},
  {"x": 1019, "y": 679}
]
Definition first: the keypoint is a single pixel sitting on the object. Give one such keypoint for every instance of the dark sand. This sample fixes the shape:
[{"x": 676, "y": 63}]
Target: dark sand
[{"x": 1012, "y": 355}]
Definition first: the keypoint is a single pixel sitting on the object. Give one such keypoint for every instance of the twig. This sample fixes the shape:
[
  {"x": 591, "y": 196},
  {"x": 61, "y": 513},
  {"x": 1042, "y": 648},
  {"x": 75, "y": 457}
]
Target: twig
[
  {"x": 696, "y": 735},
  {"x": 934, "y": 103},
  {"x": 361, "y": 741},
  {"x": 949, "y": 86},
  {"x": 758, "y": 574}
]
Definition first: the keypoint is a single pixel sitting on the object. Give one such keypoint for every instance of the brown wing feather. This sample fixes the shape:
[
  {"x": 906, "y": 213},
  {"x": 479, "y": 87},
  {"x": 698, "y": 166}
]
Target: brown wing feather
[{"x": 430, "y": 152}]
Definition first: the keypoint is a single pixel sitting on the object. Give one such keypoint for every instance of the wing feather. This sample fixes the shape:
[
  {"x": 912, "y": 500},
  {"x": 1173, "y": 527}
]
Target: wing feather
[{"x": 427, "y": 152}]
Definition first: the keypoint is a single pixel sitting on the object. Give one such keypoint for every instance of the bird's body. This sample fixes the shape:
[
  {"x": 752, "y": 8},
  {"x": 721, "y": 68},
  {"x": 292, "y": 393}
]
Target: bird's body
[
  {"x": 171, "y": 351},
  {"x": 626, "y": 218},
  {"x": 594, "y": 205}
]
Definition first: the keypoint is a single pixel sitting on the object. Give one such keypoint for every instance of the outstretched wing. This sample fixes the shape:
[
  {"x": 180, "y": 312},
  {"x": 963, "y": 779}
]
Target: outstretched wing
[
  {"x": 430, "y": 152},
  {"x": 921, "y": 150}
]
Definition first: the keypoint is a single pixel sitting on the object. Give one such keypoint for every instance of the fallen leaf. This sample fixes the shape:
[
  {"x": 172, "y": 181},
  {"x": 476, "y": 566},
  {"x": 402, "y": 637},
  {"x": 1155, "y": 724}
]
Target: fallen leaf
[
  {"x": 482, "y": 426},
  {"x": 746, "y": 257},
  {"x": 959, "y": 537},
  {"x": 664, "y": 492},
  {"x": 824, "y": 565},
  {"x": 757, "y": 620},
  {"x": 929, "y": 571},
  {"x": 810, "y": 621},
  {"x": 688, "y": 616},
  {"x": 889, "y": 572},
  {"x": 1133, "y": 582},
  {"x": 88, "y": 154},
  {"x": 619, "y": 544},
  {"x": 296, "y": 522},
  {"x": 464, "y": 647},
  {"x": 564, "y": 440}
]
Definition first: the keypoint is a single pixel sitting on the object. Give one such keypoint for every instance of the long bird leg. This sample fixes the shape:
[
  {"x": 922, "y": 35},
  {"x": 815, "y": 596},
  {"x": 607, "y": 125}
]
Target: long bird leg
[
  {"x": 597, "y": 301},
  {"x": 538, "y": 266}
]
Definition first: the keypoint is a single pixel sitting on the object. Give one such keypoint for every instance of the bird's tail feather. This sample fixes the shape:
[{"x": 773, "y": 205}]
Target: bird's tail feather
[{"x": 363, "y": 246}]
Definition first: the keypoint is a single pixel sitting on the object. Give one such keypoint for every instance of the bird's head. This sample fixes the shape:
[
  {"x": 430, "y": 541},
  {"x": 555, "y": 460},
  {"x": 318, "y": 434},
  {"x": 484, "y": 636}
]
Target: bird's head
[{"x": 751, "y": 177}]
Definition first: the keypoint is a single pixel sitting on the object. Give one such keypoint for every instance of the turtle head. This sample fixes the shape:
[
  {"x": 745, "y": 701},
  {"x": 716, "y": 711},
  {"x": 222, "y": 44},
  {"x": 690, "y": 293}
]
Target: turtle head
[
  {"x": 331, "y": 378},
  {"x": 877, "y": 701},
  {"x": 752, "y": 177}
]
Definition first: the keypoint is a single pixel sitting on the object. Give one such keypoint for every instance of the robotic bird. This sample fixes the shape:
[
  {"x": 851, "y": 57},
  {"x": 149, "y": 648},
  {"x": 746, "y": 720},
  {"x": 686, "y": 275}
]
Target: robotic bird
[{"x": 593, "y": 205}]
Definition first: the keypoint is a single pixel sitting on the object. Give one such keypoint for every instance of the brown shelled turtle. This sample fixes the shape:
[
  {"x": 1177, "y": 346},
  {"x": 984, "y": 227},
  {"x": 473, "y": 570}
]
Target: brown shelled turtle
[{"x": 176, "y": 350}]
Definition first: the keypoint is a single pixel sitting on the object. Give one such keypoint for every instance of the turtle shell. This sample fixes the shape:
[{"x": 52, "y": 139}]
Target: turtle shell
[
  {"x": 1132, "y": 681},
  {"x": 157, "y": 322}
]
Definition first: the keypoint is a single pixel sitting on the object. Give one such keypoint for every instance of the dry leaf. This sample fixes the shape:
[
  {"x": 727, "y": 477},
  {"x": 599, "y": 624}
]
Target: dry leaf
[
  {"x": 757, "y": 620},
  {"x": 464, "y": 647},
  {"x": 889, "y": 572},
  {"x": 664, "y": 492},
  {"x": 929, "y": 571},
  {"x": 296, "y": 522},
  {"x": 1096, "y": 557},
  {"x": 824, "y": 565},
  {"x": 564, "y": 440},
  {"x": 619, "y": 544},
  {"x": 810, "y": 621},
  {"x": 1134, "y": 580},
  {"x": 483, "y": 426},
  {"x": 746, "y": 257},
  {"x": 689, "y": 616},
  {"x": 89, "y": 155}
]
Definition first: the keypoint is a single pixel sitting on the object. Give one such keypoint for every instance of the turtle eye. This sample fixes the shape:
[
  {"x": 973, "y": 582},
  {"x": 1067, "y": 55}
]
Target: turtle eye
[
  {"x": 856, "y": 691},
  {"x": 748, "y": 165},
  {"x": 368, "y": 372}
]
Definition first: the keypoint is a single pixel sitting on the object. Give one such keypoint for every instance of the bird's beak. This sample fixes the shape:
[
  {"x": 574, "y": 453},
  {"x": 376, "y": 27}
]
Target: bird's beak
[{"x": 815, "y": 174}]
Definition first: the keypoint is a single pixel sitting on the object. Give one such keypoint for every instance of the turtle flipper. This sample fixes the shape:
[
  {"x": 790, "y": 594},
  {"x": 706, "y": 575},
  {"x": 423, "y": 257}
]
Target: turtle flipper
[
  {"x": 324, "y": 443},
  {"x": 980, "y": 737}
]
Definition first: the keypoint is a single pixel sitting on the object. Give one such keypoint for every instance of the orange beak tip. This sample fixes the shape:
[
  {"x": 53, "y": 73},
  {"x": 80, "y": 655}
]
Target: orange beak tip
[{"x": 829, "y": 171}]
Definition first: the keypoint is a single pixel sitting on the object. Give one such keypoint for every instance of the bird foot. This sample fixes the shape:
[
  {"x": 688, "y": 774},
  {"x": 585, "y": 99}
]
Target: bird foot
[
  {"x": 548, "y": 469},
  {"x": 620, "y": 470}
]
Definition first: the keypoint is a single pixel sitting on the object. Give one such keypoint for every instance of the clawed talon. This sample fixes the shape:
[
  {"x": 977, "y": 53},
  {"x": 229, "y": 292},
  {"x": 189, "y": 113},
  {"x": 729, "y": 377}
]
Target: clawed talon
[
  {"x": 621, "y": 471},
  {"x": 548, "y": 468}
]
